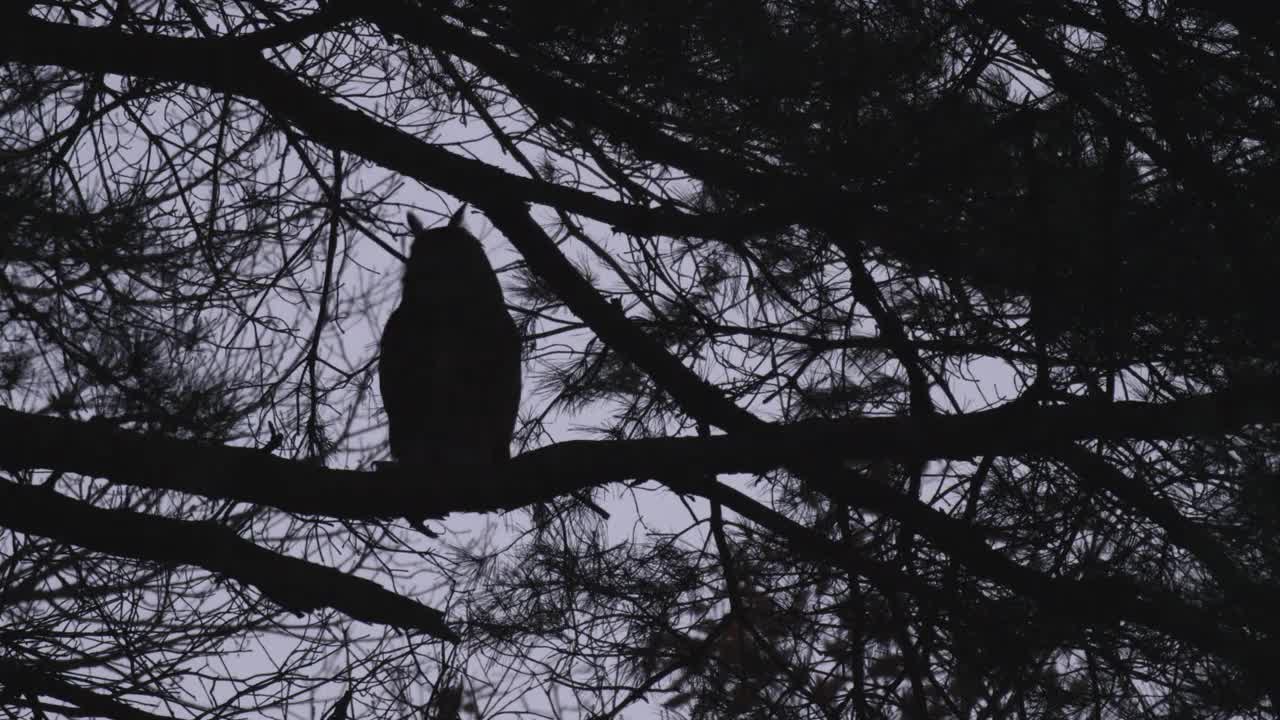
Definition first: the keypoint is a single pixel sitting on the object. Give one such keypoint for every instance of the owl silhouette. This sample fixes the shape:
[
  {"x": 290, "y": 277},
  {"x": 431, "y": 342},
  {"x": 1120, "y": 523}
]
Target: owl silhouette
[{"x": 449, "y": 370}]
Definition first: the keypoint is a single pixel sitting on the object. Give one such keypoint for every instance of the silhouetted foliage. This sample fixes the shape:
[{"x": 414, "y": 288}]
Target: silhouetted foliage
[{"x": 922, "y": 354}]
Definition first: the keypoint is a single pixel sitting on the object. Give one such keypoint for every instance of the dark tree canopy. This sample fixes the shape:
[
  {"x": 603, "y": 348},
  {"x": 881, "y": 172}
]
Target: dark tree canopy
[{"x": 882, "y": 359}]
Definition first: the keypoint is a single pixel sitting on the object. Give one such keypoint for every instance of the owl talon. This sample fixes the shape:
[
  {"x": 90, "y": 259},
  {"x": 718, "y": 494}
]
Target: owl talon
[{"x": 421, "y": 526}]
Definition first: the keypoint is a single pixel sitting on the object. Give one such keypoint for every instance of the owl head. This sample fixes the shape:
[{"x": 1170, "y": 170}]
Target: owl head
[
  {"x": 420, "y": 231},
  {"x": 441, "y": 245},
  {"x": 447, "y": 264}
]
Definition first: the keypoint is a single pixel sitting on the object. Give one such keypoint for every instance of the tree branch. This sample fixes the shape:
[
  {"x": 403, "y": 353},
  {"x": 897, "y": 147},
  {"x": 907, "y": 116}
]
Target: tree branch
[
  {"x": 231, "y": 66},
  {"x": 297, "y": 585},
  {"x": 16, "y": 677},
  {"x": 249, "y": 475},
  {"x": 1096, "y": 472},
  {"x": 1101, "y": 601}
]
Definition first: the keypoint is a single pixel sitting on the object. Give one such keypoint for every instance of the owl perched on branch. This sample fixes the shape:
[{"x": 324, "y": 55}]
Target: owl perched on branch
[{"x": 450, "y": 365}]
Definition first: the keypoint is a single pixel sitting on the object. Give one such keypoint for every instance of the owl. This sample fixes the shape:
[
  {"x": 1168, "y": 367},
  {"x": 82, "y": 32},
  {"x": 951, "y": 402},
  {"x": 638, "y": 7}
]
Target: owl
[{"x": 449, "y": 370}]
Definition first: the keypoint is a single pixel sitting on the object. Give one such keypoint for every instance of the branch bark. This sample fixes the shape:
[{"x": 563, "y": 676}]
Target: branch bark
[
  {"x": 297, "y": 585},
  {"x": 16, "y": 677},
  {"x": 250, "y": 475},
  {"x": 234, "y": 66}
]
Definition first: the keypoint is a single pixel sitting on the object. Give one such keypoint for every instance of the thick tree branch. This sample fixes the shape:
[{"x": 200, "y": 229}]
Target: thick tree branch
[
  {"x": 231, "y": 66},
  {"x": 297, "y": 585},
  {"x": 249, "y": 475},
  {"x": 553, "y": 97},
  {"x": 16, "y": 677},
  {"x": 696, "y": 397}
]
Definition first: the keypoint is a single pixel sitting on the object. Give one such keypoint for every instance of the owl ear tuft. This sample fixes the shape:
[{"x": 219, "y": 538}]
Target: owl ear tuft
[
  {"x": 456, "y": 220},
  {"x": 415, "y": 224}
]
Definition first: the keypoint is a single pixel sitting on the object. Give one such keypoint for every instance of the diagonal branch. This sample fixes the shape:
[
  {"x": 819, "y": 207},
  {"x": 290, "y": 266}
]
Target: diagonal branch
[
  {"x": 16, "y": 677},
  {"x": 230, "y": 66},
  {"x": 696, "y": 397},
  {"x": 1100, "y": 601},
  {"x": 1095, "y": 472},
  {"x": 297, "y": 585}
]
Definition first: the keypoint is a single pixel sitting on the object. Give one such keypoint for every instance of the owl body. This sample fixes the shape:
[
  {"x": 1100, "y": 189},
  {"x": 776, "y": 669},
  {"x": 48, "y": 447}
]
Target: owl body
[{"x": 450, "y": 366}]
